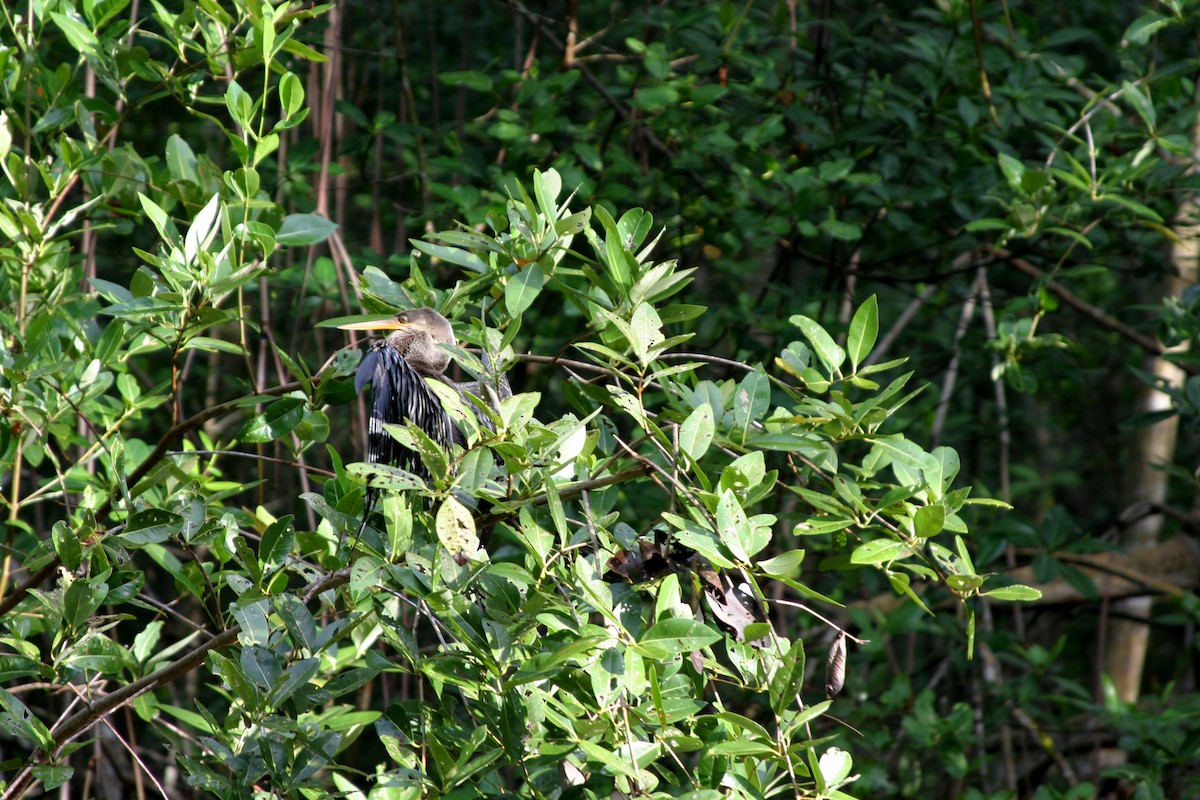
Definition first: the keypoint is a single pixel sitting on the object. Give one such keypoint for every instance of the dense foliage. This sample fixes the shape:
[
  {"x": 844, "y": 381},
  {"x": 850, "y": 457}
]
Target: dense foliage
[{"x": 721, "y": 250}]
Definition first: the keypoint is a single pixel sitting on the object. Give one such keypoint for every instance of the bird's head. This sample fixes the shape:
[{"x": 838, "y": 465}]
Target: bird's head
[{"x": 416, "y": 334}]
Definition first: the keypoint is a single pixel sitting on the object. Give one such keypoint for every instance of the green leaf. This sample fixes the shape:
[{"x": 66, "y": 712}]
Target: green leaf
[
  {"x": 742, "y": 538},
  {"x": 453, "y": 255},
  {"x": 863, "y": 330},
  {"x": 151, "y": 526},
  {"x": 1145, "y": 26},
  {"x": 294, "y": 678},
  {"x": 456, "y": 528},
  {"x": 478, "y": 81},
  {"x": 162, "y": 222},
  {"x": 302, "y": 50},
  {"x": 78, "y": 34},
  {"x": 676, "y": 635},
  {"x": 743, "y": 749},
  {"x": 252, "y": 617},
  {"x": 1141, "y": 103},
  {"x": 52, "y": 775},
  {"x": 298, "y": 620},
  {"x": 988, "y": 224},
  {"x": 146, "y": 640},
  {"x": 703, "y": 542},
  {"x": 929, "y": 520},
  {"x": 291, "y": 94},
  {"x": 835, "y": 765},
  {"x": 879, "y": 551},
  {"x": 235, "y": 678},
  {"x": 240, "y": 104},
  {"x": 276, "y": 544},
  {"x": 826, "y": 349},
  {"x": 279, "y": 419},
  {"x": 788, "y": 678},
  {"x": 573, "y": 224},
  {"x": 546, "y": 187},
  {"x": 203, "y": 229},
  {"x": 646, "y": 329},
  {"x": 747, "y": 725},
  {"x": 696, "y": 432},
  {"x": 785, "y": 564},
  {"x": 751, "y": 399},
  {"x": 838, "y": 229},
  {"x": 22, "y": 723},
  {"x": 66, "y": 541},
  {"x": 304, "y": 229},
  {"x": 210, "y": 345},
  {"x": 523, "y": 288},
  {"x": 1013, "y": 171},
  {"x": 385, "y": 476},
  {"x": 655, "y": 98},
  {"x": 181, "y": 161},
  {"x": 1016, "y": 592},
  {"x": 1139, "y": 209}
]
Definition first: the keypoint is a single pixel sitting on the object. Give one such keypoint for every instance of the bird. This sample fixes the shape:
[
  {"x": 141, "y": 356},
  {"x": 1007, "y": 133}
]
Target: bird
[{"x": 396, "y": 367}]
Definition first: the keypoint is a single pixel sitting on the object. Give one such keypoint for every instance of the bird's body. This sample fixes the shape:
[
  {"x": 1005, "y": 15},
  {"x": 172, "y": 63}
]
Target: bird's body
[{"x": 396, "y": 368}]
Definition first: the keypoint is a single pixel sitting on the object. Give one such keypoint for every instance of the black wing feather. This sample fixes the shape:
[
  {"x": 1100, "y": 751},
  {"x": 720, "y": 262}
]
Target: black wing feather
[{"x": 398, "y": 394}]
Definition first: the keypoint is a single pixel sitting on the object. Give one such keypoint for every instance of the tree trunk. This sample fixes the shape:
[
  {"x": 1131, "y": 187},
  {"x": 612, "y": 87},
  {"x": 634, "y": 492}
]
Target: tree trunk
[{"x": 1127, "y": 637}]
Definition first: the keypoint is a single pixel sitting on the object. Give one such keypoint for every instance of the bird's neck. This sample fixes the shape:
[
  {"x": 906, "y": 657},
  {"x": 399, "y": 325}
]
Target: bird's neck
[
  {"x": 426, "y": 369},
  {"x": 422, "y": 353}
]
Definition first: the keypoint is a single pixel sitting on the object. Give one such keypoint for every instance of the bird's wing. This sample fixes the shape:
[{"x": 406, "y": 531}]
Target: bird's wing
[{"x": 398, "y": 394}]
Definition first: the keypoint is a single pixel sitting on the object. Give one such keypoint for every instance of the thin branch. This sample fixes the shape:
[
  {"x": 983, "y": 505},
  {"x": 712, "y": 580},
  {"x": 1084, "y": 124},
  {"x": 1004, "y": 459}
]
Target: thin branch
[
  {"x": 242, "y": 454},
  {"x": 824, "y": 619},
  {"x": 964, "y": 320},
  {"x": 566, "y": 493},
  {"x": 899, "y": 325}
]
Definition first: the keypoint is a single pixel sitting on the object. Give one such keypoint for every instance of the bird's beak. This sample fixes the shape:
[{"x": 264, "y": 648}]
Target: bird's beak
[{"x": 391, "y": 324}]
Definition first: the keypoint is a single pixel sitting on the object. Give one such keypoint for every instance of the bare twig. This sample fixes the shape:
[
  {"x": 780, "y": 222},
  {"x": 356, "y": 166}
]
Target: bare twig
[
  {"x": 964, "y": 320},
  {"x": 899, "y": 325},
  {"x": 842, "y": 631}
]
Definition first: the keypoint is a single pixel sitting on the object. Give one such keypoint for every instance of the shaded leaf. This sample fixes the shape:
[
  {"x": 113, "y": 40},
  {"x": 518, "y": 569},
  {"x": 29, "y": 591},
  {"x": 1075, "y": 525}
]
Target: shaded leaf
[
  {"x": 523, "y": 288},
  {"x": 304, "y": 229},
  {"x": 151, "y": 526},
  {"x": 278, "y": 419}
]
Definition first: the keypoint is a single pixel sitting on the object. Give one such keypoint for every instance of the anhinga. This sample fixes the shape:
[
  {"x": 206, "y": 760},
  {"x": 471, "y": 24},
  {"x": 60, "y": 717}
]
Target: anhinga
[{"x": 396, "y": 368}]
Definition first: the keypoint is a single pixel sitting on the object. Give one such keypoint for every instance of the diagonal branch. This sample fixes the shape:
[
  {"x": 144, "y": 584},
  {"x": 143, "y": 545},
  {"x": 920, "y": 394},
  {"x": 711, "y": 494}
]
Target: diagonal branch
[{"x": 1151, "y": 346}]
